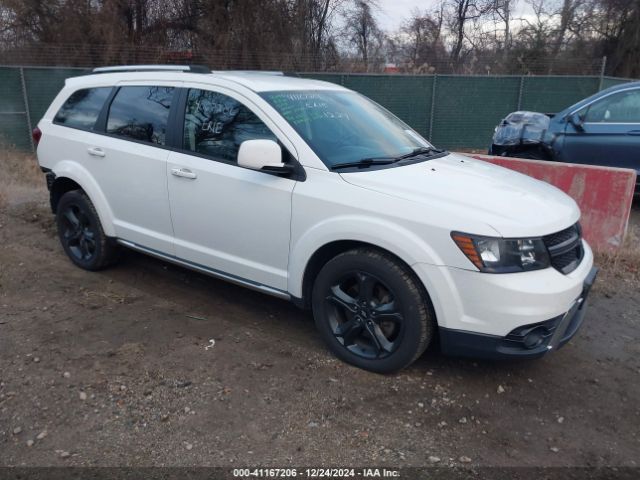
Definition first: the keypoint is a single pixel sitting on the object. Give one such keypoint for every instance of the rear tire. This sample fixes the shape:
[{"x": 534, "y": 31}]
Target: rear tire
[
  {"x": 372, "y": 311},
  {"x": 81, "y": 233}
]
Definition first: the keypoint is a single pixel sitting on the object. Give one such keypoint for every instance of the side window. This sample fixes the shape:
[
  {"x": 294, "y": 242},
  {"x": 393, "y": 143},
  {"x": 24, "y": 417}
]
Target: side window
[
  {"x": 215, "y": 125},
  {"x": 141, "y": 113},
  {"x": 622, "y": 107},
  {"x": 82, "y": 108}
]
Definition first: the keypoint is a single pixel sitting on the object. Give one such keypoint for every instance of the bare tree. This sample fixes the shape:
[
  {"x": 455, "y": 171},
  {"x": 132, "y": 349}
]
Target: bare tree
[
  {"x": 468, "y": 36},
  {"x": 315, "y": 17},
  {"x": 460, "y": 13},
  {"x": 622, "y": 44},
  {"x": 503, "y": 9},
  {"x": 422, "y": 39},
  {"x": 567, "y": 14},
  {"x": 362, "y": 31}
]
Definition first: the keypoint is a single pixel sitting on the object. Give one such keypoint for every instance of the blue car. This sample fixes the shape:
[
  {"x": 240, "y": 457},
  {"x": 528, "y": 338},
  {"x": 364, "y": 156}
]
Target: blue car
[{"x": 603, "y": 129}]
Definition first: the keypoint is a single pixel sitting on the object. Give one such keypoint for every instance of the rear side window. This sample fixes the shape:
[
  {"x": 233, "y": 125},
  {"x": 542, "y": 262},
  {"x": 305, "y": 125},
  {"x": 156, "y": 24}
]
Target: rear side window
[
  {"x": 141, "y": 113},
  {"x": 82, "y": 108}
]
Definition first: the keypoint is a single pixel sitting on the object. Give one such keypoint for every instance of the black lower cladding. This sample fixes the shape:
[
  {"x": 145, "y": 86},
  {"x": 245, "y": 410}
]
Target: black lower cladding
[{"x": 526, "y": 341}]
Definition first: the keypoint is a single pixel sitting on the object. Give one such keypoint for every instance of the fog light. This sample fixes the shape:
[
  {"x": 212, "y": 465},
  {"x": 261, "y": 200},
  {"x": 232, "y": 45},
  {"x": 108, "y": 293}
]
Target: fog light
[{"x": 535, "y": 337}]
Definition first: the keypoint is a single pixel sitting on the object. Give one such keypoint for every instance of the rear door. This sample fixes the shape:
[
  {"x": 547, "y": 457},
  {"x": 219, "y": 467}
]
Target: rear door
[
  {"x": 611, "y": 133},
  {"x": 129, "y": 160},
  {"x": 226, "y": 218}
]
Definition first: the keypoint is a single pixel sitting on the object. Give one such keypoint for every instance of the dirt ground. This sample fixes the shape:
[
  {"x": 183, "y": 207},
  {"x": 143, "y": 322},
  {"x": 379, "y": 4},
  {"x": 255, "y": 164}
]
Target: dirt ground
[{"x": 117, "y": 368}]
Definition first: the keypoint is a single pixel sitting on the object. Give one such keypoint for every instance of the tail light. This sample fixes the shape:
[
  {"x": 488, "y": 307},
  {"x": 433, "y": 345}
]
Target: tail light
[{"x": 36, "y": 134}]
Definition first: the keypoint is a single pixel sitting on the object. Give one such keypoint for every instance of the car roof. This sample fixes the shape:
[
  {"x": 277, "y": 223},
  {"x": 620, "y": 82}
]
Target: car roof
[
  {"x": 254, "y": 80},
  {"x": 263, "y": 82}
]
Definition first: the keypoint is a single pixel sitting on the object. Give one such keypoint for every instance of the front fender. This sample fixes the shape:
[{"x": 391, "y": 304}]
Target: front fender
[
  {"x": 76, "y": 172},
  {"x": 379, "y": 232}
]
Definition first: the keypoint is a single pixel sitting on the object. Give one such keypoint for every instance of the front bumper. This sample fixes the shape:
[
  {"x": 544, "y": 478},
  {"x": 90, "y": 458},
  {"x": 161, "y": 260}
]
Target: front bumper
[{"x": 526, "y": 341}]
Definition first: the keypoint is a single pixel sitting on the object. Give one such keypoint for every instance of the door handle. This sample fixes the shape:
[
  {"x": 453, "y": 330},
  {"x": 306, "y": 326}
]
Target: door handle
[
  {"x": 183, "y": 172},
  {"x": 633, "y": 132},
  {"x": 96, "y": 152}
]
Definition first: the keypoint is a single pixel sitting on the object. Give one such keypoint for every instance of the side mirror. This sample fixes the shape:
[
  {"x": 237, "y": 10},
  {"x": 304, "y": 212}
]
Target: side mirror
[
  {"x": 577, "y": 121},
  {"x": 264, "y": 155}
]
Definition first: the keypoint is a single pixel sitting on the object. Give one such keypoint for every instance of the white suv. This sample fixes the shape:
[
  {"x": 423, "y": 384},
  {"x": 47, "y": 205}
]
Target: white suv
[{"x": 311, "y": 192}]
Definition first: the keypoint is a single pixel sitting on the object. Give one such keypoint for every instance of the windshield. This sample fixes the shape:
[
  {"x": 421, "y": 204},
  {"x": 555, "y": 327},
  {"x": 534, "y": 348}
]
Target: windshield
[{"x": 343, "y": 127}]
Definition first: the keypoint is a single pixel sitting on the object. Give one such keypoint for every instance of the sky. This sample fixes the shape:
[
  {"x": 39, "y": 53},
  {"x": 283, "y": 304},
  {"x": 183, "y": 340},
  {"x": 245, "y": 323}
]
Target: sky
[{"x": 393, "y": 12}]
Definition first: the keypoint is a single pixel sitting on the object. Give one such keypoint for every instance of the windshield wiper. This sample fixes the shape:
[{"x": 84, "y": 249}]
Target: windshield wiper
[
  {"x": 364, "y": 163},
  {"x": 367, "y": 162},
  {"x": 419, "y": 151}
]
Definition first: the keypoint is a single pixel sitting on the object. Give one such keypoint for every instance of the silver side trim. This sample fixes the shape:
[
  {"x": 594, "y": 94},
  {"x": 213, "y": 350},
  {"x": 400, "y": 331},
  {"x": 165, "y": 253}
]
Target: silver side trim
[
  {"x": 142, "y": 68},
  {"x": 207, "y": 271}
]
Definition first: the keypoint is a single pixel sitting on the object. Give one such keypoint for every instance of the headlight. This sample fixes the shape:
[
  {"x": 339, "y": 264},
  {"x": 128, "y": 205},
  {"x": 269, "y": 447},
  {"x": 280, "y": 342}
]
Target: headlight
[{"x": 503, "y": 255}]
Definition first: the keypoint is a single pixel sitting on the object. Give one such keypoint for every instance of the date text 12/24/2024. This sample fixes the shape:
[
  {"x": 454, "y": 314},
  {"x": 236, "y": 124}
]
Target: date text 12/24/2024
[{"x": 315, "y": 473}]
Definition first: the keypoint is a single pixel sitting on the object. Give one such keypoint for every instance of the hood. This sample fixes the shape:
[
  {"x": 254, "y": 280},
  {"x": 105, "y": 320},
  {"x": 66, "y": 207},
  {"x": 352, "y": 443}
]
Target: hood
[{"x": 513, "y": 204}]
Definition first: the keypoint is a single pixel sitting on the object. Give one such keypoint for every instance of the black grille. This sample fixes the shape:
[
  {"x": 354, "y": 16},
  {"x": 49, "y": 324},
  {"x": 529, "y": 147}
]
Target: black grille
[
  {"x": 565, "y": 248},
  {"x": 560, "y": 237}
]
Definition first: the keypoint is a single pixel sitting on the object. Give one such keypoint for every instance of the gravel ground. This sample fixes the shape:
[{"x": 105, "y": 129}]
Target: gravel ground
[{"x": 150, "y": 364}]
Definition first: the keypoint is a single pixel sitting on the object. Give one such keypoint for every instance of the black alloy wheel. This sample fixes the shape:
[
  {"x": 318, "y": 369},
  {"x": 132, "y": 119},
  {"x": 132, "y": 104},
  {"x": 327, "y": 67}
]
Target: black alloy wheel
[
  {"x": 372, "y": 310},
  {"x": 81, "y": 233},
  {"x": 364, "y": 315}
]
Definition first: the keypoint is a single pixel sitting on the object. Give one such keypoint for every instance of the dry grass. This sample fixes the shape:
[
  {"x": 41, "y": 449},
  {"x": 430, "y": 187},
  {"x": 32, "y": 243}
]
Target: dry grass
[
  {"x": 620, "y": 269},
  {"x": 20, "y": 177}
]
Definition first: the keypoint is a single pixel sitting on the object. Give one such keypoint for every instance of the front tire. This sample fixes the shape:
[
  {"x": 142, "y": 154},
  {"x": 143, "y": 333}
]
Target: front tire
[
  {"x": 81, "y": 233},
  {"x": 372, "y": 311}
]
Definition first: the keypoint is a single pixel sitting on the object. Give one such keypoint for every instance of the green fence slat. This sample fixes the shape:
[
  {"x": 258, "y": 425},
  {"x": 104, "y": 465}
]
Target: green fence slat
[
  {"x": 408, "y": 97},
  {"x": 325, "y": 77},
  {"x": 612, "y": 82},
  {"x": 13, "y": 120},
  {"x": 10, "y": 90},
  {"x": 43, "y": 84},
  {"x": 552, "y": 94},
  {"x": 467, "y": 109},
  {"x": 14, "y": 131}
]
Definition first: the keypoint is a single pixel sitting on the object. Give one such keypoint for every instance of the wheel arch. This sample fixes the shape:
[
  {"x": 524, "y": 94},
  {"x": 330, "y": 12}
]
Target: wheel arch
[
  {"x": 59, "y": 187},
  {"x": 334, "y": 248},
  {"x": 71, "y": 176}
]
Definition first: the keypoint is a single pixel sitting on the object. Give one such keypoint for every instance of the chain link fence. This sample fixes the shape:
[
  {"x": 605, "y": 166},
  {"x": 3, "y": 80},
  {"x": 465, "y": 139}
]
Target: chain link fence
[
  {"x": 452, "y": 111},
  {"x": 25, "y": 95},
  {"x": 298, "y": 59},
  {"x": 460, "y": 112}
]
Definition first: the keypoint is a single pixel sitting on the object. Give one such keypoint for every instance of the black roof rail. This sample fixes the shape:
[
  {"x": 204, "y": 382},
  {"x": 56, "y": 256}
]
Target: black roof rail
[{"x": 153, "y": 68}]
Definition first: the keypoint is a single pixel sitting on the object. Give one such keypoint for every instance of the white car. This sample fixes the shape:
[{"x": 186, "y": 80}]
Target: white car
[{"x": 311, "y": 192}]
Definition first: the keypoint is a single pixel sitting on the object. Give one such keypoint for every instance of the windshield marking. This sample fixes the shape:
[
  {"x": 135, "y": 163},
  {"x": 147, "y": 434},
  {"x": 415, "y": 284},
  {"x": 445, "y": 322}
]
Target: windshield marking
[{"x": 345, "y": 127}]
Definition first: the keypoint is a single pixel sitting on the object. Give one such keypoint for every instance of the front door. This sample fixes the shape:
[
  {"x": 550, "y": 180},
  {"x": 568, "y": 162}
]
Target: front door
[
  {"x": 610, "y": 133},
  {"x": 226, "y": 218}
]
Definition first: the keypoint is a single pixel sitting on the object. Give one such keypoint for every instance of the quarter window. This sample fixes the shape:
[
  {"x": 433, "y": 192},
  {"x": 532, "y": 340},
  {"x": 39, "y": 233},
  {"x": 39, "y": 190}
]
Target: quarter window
[
  {"x": 215, "y": 125},
  {"x": 82, "y": 108},
  {"x": 622, "y": 107},
  {"x": 141, "y": 113}
]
